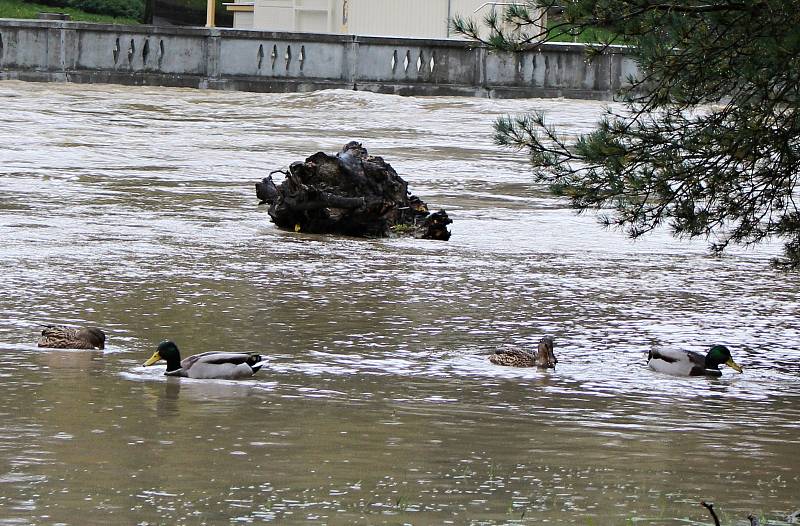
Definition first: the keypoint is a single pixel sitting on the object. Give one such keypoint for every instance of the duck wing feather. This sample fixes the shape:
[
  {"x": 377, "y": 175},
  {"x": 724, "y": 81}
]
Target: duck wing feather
[
  {"x": 220, "y": 358},
  {"x": 512, "y": 358}
]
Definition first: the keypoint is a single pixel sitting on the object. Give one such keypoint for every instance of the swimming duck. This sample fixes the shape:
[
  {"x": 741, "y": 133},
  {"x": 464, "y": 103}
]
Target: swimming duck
[
  {"x": 678, "y": 362},
  {"x": 543, "y": 357},
  {"x": 214, "y": 364},
  {"x": 59, "y": 337}
]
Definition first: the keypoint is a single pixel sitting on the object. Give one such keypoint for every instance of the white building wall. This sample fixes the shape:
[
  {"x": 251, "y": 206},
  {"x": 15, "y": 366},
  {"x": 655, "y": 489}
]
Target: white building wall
[
  {"x": 274, "y": 15},
  {"x": 311, "y": 16},
  {"x": 478, "y": 9},
  {"x": 398, "y": 18},
  {"x": 243, "y": 20}
]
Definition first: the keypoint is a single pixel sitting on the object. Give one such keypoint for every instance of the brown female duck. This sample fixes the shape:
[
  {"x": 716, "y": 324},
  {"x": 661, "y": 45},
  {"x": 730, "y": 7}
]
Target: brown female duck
[
  {"x": 544, "y": 356},
  {"x": 59, "y": 337}
]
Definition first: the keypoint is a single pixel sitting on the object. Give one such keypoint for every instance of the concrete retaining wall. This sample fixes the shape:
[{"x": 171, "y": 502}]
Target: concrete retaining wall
[{"x": 42, "y": 50}]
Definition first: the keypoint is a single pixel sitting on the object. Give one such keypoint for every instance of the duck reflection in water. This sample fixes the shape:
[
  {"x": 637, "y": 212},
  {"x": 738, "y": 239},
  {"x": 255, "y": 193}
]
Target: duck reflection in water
[{"x": 175, "y": 396}]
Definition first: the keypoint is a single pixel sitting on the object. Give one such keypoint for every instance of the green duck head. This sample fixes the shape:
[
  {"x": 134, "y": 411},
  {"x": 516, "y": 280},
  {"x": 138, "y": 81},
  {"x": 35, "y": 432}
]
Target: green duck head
[
  {"x": 718, "y": 355},
  {"x": 167, "y": 351}
]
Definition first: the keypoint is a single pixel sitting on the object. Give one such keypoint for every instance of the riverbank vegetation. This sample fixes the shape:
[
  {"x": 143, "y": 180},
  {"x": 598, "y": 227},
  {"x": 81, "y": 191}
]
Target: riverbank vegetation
[
  {"x": 562, "y": 31},
  {"x": 177, "y": 12},
  {"x": 22, "y": 9},
  {"x": 131, "y": 9},
  {"x": 708, "y": 141}
]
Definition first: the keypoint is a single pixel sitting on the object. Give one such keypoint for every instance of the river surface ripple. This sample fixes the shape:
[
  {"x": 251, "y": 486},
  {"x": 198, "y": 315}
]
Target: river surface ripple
[{"x": 133, "y": 209}]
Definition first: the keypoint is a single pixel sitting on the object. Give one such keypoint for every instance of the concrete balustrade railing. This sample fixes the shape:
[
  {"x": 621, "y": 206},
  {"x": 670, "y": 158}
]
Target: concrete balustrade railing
[{"x": 43, "y": 50}]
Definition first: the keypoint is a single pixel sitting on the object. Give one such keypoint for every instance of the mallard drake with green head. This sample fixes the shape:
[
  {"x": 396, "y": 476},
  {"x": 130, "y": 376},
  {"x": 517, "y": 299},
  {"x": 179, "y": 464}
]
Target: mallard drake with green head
[
  {"x": 214, "y": 364},
  {"x": 678, "y": 362},
  {"x": 544, "y": 356},
  {"x": 59, "y": 337}
]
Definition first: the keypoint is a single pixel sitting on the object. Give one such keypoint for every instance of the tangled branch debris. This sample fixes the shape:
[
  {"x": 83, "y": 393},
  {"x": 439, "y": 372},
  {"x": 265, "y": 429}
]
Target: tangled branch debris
[{"x": 350, "y": 193}]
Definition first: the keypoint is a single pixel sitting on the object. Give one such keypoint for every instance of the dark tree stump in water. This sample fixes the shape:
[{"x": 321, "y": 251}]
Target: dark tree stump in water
[{"x": 350, "y": 193}]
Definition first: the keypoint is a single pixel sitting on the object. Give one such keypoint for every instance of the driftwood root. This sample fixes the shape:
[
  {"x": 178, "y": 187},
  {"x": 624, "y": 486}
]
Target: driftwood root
[{"x": 350, "y": 193}]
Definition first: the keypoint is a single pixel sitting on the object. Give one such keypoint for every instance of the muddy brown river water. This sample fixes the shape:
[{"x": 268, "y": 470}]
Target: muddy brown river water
[{"x": 133, "y": 209}]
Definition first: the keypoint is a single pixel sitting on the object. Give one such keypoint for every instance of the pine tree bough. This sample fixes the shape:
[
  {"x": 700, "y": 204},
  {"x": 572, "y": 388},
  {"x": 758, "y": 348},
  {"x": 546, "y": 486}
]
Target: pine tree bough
[
  {"x": 351, "y": 193},
  {"x": 707, "y": 139}
]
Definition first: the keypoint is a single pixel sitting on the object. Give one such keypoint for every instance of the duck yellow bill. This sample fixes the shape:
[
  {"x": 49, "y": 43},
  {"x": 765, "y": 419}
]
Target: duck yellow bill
[
  {"x": 156, "y": 357},
  {"x": 733, "y": 365}
]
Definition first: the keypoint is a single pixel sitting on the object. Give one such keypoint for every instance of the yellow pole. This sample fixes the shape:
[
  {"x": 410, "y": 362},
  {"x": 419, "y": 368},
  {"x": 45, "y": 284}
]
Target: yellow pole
[{"x": 211, "y": 9}]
